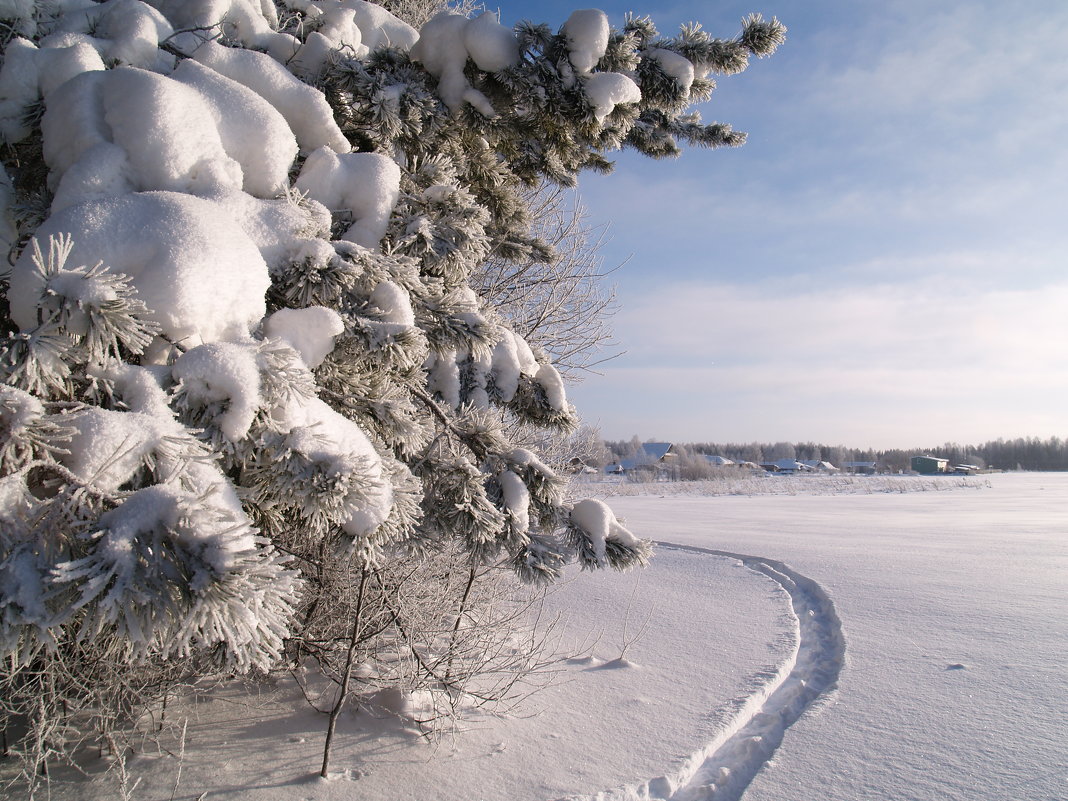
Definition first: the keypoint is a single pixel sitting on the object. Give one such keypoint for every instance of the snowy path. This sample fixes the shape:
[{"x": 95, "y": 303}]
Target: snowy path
[{"x": 723, "y": 769}]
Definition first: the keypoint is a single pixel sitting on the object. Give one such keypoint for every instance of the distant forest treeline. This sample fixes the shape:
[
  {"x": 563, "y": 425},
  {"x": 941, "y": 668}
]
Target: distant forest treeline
[{"x": 1024, "y": 453}]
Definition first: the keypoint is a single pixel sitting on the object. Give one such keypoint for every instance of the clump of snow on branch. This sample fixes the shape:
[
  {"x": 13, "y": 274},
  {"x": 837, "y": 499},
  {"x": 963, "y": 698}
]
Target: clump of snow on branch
[
  {"x": 606, "y": 90},
  {"x": 449, "y": 40},
  {"x": 586, "y": 32},
  {"x": 311, "y": 331},
  {"x": 236, "y": 597},
  {"x": 394, "y": 304},
  {"x": 516, "y": 499},
  {"x": 200, "y": 275},
  {"x": 29, "y": 72},
  {"x": 252, "y": 131},
  {"x": 121, "y": 31},
  {"x": 250, "y": 22},
  {"x": 603, "y": 540},
  {"x": 325, "y": 437},
  {"x": 223, "y": 371},
  {"x": 678, "y": 67},
  {"x": 512, "y": 358},
  {"x": 303, "y": 107},
  {"x": 364, "y": 185},
  {"x": 356, "y": 24},
  {"x": 109, "y": 133}
]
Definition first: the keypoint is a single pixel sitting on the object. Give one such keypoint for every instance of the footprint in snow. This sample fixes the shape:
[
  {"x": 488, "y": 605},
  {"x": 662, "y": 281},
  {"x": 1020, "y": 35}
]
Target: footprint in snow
[{"x": 956, "y": 666}]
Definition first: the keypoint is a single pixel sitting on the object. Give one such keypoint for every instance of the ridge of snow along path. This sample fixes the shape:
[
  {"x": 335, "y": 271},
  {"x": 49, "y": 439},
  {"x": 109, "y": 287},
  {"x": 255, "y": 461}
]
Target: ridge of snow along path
[{"x": 723, "y": 769}]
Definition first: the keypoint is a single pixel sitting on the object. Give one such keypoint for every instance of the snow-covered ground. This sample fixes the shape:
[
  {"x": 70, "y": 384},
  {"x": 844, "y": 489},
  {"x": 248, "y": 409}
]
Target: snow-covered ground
[
  {"x": 955, "y": 612},
  {"x": 949, "y": 608}
]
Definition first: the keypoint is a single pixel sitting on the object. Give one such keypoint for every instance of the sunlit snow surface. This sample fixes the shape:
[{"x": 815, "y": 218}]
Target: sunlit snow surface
[
  {"x": 952, "y": 605},
  {"x": 955, "y": 608}
]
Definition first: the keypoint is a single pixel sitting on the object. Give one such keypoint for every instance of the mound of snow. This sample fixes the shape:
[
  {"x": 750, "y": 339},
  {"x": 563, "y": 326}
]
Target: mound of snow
[
  {"x": 251, "y": 130},
  {"x": 364, "y": 185},
  {"x": 192, "y": 264},
  {"x": 586, "y": 31},
  {"x": 251, "y": 22},
  {"x": 122, "y": 31},
  {"x": 304, "y": 107},
  {"x": 29, "y": 73},
  {"x": 127, "y": 130},
  {"x": 446, "y": 43}
]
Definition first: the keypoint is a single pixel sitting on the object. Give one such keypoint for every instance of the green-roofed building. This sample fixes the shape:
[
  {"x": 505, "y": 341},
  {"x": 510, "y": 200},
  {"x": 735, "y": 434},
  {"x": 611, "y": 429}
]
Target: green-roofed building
[{"x": 929, "y": 465}]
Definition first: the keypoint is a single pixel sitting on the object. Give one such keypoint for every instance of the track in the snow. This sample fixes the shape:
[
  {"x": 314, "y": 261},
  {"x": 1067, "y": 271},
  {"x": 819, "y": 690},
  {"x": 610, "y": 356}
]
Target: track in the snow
[{"x": 724, "y": 767}]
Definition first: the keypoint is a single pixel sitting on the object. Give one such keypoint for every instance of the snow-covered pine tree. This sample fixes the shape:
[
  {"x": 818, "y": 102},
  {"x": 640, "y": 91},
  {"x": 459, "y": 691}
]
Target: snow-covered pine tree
[{"x": 245, "y": 366}]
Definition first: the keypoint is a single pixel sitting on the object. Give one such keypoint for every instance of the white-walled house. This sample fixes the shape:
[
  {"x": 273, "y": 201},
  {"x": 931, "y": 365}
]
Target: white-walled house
[
  {"x": 718, "y": 461},
  {"x": 820, "y": 466}
]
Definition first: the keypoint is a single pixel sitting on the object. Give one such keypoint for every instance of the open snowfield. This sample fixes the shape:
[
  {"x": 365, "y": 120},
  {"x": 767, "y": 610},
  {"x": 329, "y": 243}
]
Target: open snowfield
[
  {"x": 955, "y": 612},
  {"x": 948, "y": 606}
]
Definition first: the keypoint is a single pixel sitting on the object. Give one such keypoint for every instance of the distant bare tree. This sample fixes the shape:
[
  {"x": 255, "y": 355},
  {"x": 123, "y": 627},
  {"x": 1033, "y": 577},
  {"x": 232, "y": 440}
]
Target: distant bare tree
[
  {"x": 560, "y": 449},
  {"x": 690, "y": 465},
  {"x": 564, "y": 305},
  {"x": 780, "y": 450},
  {"x": 417, "y": 12}
]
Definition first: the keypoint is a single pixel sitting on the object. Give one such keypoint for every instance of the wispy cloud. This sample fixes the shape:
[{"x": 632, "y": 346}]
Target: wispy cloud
[
  {"x": 939, "y": 321},
  {"x": 948, "y": 63},
  {"x": 923, "y": 362}
]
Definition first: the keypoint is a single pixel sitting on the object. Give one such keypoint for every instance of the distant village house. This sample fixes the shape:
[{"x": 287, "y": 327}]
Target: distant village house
[
  {"x": 652, "y": 456},
  {"x": 860, "y": 468},
  {"x": 930, "y": 465}
]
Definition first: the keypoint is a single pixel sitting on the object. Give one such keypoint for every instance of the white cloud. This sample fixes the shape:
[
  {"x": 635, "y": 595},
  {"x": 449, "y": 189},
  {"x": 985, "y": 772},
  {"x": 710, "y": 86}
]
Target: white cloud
[
  {"x": 935, "y": 61},
  {"x": 895, "y": 365},
  {"x": 685, "y": 218},
  {"x": 932, "y": 320}
]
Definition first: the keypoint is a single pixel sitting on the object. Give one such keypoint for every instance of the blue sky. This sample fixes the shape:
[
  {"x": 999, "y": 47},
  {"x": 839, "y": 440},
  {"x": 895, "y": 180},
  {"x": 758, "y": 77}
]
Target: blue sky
[{"x": 881, "y": 264}]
